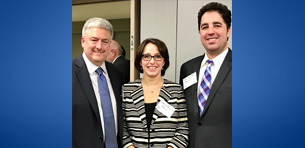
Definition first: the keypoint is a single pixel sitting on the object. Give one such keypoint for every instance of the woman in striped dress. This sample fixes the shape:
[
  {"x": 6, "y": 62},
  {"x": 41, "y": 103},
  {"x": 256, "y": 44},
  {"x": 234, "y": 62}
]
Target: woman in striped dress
[{"x": 154, "y": 108}]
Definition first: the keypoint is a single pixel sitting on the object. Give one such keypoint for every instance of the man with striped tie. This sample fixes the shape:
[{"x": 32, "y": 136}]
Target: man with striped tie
[{"x": 207, "y": 81}]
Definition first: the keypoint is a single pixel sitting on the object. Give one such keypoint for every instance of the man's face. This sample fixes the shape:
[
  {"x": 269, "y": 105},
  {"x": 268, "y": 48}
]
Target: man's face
[
  {"x": 96, "y": 45},
  {"x": 213, "y": 33}
]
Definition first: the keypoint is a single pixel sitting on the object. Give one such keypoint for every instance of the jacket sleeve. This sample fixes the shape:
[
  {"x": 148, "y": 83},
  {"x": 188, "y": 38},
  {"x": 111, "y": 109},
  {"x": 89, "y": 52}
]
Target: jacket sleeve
[{"x": 126, "y": 137}]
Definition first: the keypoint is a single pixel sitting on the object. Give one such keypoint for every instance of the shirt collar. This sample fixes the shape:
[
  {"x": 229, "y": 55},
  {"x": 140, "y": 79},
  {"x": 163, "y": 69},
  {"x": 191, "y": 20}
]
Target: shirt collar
[
  {"x": 91, "y": 67},
  {"x": 115, "y": 59},
  {"x": 217, "y": 60}
]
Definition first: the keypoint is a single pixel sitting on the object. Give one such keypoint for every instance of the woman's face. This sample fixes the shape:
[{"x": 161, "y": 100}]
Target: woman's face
[{"x": 152, "y": 66}]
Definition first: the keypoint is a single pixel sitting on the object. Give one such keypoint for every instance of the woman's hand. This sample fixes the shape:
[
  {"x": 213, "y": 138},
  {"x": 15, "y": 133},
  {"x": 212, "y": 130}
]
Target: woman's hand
[{"x": 131, "y": 146}]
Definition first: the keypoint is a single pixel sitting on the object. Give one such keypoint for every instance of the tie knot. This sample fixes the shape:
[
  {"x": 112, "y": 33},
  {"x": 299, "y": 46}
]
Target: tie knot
[
  {"x": 210, "y": 62},
  {"x": 99, "y": 71}
]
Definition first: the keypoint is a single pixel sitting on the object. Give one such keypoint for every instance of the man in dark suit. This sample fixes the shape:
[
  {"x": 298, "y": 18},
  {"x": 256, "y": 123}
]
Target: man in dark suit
[
  {"x": 90, "y": 120},
  {"x": 207, "y": 81},
  {"x": 117, "y": 58}
]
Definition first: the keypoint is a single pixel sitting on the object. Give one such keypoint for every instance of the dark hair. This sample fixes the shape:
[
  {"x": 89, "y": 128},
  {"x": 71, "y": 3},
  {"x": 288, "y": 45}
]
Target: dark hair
[
  {"x": 123, "y": 53},
  {"x": 222, "y": 9},
  {"x": 162, "y": 49}
]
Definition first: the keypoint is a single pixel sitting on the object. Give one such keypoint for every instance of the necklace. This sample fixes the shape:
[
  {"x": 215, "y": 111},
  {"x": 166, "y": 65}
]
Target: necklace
[{"x": 152, "y": 90}]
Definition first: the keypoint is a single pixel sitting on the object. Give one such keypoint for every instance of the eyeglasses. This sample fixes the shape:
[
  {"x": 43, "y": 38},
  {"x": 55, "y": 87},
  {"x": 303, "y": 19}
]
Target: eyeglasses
[{"x": 147, "y": 57}]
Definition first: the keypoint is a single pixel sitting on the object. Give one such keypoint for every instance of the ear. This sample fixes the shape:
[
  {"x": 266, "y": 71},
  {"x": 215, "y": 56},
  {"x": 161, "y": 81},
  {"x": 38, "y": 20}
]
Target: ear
[
  {"x": 229, "y": 32},
  {"x": 112, "y": 52},
  {"x": 83, "y": 42}
]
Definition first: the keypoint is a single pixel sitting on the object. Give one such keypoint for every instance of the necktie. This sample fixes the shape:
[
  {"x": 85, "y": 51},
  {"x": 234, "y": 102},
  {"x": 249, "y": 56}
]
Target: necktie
[
  {"x": 109, "y": 125},
  {"x": 205, "y": 87}
]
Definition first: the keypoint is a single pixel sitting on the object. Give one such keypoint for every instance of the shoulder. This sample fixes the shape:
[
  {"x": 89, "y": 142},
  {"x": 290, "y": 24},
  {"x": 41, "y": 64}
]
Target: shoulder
[
  {"x": 132, "y": 85},
  {"x": 192, "y": 61},
  {"x": 78, "y": 62},
  {"x": 171, "y": 85},
  {"x": 111, "y": 67}
]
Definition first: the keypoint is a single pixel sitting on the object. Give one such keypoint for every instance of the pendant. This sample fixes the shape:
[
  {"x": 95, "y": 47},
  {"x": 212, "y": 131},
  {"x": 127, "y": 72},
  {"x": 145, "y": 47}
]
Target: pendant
[{"x": 152, "y": 91}]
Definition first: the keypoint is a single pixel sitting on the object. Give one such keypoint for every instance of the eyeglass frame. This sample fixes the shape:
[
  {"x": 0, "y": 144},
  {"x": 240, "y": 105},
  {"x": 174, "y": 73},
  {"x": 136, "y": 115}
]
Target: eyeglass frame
[{"x": 152, "y": 57}]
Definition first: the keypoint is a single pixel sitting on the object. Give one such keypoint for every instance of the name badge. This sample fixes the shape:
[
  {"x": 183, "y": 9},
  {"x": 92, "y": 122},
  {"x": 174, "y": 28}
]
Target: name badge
[
  {"x": 189, "y": 80},
  {"x": 165, "y": 108}
]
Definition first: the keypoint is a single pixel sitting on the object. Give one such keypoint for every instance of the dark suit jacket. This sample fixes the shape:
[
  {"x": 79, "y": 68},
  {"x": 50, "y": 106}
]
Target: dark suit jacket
[
  {"x": 86, "y": 123},
  {"x": 214, "y": 128},
  {"x": 124, "y": 65}
]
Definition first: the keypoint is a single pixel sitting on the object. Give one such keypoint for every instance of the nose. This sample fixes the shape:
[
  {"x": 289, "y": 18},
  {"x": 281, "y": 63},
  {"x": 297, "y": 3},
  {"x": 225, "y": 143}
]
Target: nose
[
  {"x": 152, "y": 60},
  {"x": 211, "y": 30},
  {"x": 99, "y": 45}
]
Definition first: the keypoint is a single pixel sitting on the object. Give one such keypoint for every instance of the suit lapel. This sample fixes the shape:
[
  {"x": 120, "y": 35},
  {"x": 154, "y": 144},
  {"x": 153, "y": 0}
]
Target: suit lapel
[
  {"x": 114, "y": 82},
  {"x": 194, "y": 88},
  {"x": 138, "y": 100},
  {"x": 164, "y": 95},
  {"x": 222, "y": 73},
  {"x": 85, "y": 81}
]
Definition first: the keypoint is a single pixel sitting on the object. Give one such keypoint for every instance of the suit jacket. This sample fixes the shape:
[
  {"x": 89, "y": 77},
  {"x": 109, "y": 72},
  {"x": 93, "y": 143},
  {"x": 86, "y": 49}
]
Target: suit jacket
[
  {"x": 86, "y": 123},
  {"x": 213, "y": 129},
  {"x": 163, "y": 130},
  {"x": 124, "y": 65}
]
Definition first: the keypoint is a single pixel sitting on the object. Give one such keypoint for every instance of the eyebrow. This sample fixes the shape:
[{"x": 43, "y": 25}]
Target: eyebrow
[
  {"x": 213, "y": 23},
  {"x": 93, "y": 37}
]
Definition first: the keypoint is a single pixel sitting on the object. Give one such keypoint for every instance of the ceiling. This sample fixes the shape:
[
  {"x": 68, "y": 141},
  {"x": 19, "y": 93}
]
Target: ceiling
[{"x": 106, "y": 10}]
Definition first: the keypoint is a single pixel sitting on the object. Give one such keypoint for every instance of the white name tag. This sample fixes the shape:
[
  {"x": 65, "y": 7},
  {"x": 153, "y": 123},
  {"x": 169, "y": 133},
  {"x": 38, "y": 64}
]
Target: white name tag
[
  {"x": 189, "y": 80},
  {"x": 165, "y": 108}
]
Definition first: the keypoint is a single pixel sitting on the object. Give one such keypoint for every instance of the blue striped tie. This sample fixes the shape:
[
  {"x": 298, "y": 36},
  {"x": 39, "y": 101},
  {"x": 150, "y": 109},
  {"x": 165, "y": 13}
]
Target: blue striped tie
[
  {"x": 205, "y": 87},
  {"x": 109, "y": 125}
]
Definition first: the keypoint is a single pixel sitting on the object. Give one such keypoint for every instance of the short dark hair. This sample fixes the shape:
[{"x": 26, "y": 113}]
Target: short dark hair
[
  {"x": 222, "y": 9},
  {"x": 123, "y": 52},
  {"x": 162, "y": 49}
]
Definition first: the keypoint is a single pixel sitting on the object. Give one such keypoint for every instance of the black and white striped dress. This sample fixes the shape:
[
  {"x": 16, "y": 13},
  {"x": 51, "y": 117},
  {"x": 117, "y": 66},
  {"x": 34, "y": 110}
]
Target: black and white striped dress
[{"x": 164, "y": 131}]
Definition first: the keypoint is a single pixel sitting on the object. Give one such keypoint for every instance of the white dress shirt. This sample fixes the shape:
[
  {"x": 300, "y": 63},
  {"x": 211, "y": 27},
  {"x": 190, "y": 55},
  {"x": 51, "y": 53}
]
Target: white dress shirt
[
  {"x": 93, "y": 76},
  {"x": 115, "y": 59},
  {"x": 217, "y": 62}
]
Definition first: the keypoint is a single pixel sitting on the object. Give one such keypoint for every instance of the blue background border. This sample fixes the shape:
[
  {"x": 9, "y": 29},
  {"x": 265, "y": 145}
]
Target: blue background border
[
  {"x": 268, "y": 80},
  {"x": 36, "y": 86}
]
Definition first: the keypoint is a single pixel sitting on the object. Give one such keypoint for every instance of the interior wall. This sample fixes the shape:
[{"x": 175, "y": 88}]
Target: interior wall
[
  {"x": 121, "y": 29},
  {"x": 158, "y": 20},
  {"x": 175, "y": 23}
]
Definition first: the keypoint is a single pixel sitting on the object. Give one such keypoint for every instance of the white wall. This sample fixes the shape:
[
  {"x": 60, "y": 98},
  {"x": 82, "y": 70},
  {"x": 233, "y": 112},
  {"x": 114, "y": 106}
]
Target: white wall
[
  {"x": 158, "y": 20},
  {"x": 175, "y": 23}
]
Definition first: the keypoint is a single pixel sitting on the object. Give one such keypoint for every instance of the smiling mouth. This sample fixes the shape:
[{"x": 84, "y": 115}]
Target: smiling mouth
[
  {"x": 152, "y": 67},
  {"x": 99, "y": 51},
  {"x": 211, "y": 39}
]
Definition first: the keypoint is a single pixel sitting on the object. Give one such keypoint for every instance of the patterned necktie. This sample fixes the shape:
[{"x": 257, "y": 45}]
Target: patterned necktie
[
  {"x": 205, "y": 87},
  {"x": 109, "y": 124}
]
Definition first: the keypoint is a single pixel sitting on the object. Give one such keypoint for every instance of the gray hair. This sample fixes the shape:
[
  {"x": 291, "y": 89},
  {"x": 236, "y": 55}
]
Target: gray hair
[{"x": 97, "y": 22}]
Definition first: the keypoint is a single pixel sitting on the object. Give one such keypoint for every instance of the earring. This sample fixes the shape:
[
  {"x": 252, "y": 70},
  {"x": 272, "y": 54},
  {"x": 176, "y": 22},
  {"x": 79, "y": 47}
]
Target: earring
[
  {"x": 162, "y": 68},
  {"x": 141, "y": 68}
]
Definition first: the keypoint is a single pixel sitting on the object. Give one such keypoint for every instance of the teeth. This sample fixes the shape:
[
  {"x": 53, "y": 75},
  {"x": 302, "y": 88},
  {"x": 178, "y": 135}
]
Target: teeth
[
  {"x": 212, "y": 39},
  {"x": 152, "y": 67}
]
